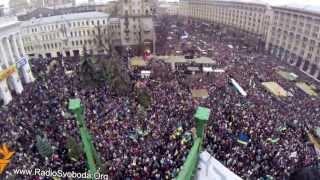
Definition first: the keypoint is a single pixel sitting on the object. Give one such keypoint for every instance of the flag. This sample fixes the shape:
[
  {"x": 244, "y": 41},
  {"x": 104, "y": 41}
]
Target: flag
[
  {"x": 273, "y": 140},
  {"x": 243, "y": 139},
  {"x": 282, "y": 128}
]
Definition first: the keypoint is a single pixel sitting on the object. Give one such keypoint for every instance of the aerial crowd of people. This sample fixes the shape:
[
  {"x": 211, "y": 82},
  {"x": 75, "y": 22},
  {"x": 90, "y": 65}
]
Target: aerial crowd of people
[{"x": 152, "y": 143}]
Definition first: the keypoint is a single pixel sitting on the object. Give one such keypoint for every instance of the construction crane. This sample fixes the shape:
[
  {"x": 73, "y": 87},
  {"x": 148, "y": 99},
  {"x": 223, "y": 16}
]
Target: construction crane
[{"x": 93, "y": 160}]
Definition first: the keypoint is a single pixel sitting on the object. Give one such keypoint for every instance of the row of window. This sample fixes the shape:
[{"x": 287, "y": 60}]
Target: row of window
[
  {"x": 59, "y": 45},
  {"x": 61, "y": 26},
  {"x": 285, "y": 16},
  {"x": 229, "y": 5}
]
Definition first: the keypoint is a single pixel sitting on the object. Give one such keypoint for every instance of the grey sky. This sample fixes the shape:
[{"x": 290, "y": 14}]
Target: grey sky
[{"x": 301, "y": 3}]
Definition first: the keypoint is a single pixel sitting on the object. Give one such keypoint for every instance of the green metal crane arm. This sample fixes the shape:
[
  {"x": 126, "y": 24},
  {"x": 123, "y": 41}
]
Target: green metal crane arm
[{"x": 91, "y": 155}]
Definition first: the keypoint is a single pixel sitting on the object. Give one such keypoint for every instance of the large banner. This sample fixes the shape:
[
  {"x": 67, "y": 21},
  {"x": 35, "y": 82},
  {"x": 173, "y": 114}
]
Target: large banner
[{"x": 7, "y": 72}]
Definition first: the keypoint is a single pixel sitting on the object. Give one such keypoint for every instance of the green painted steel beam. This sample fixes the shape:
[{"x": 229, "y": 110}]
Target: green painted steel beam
[{"x": 91, "y": 154}]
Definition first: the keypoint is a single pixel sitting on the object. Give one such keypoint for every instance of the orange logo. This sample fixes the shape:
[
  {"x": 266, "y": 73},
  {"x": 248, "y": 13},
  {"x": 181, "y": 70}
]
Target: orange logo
[{"x": 6, "y": 157}]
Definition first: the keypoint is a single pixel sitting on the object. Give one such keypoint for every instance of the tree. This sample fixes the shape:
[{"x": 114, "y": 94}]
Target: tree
[
  {"x": 143, "y": 97},
  {"x": 74, "y": 150},
  {"x": 43, "y": 146}
]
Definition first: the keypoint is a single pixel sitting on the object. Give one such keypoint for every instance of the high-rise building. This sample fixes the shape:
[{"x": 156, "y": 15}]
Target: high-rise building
[{"x": 136, "y": 24}]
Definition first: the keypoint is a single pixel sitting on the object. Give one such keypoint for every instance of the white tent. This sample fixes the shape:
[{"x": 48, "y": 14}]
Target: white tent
[
  {"x": 145, "y": 74},
  {"x": 207, "y": 69},
  {"x": 219, "y": 70},
  {"x": 210, "y": 168}
]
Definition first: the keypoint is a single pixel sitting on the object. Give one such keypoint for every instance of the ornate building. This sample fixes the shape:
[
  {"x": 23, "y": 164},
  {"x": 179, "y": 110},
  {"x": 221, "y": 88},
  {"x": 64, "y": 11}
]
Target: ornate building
[
  {"x": 65, "y": 35},
  {"x": 14, "y": 64}
]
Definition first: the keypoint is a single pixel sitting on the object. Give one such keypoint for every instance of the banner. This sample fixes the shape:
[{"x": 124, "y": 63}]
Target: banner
[
  {"x": 23, "y": 61},
  {"x": 7, "y": 72}
]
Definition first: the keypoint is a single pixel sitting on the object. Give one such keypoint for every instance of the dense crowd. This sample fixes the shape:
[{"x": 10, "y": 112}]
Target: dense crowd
[
  {"x": 260, "y": 115},
  {"x": 153, "y": 145}
]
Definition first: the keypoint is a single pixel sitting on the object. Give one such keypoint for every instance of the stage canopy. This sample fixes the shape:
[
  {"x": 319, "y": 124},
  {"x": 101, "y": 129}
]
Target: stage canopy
[
  {"x": 137, "y": 61},
  {"x": 199, "y": 93},
  {"x": 207, "y": 69},
  {"x": 219, "y": 70},
  {"x": 286, "y": 75},
  {"x": 210, "y": 168},
  {"x": 306, "y": 88},
  {"x": 275, "y": 89}
]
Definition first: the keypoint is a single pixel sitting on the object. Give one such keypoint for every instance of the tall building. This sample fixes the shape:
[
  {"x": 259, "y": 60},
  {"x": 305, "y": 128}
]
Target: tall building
[
  {"x": 294, "y": 36},
  {"x": 291, "y": 34},
  {"x": 136, "y": 24},
  {"x": 18, "y": 6},
  {"x": 65, "y": 35}
]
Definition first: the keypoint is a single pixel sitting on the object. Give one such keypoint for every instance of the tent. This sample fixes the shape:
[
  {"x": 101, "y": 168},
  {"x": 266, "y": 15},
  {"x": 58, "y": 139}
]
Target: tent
[
  {"x": 219, "y": 70},
  {"x": 207, "y": 69},
  {"x": 306, "y": 88},
  {"x": 210, "y": 168},
  {"x": 275, "y": 89},
  {"x": 191, "y": 68},
  {"x": 199, "y": 93},
  {"x": 137, "y": 61},
  {"x": 145, "y": 74}
]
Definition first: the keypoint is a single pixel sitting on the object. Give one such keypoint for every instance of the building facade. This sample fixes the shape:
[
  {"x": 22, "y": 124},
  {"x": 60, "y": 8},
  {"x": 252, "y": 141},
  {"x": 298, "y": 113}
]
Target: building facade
[
  {"x": 290, "y": 34},
  {"x": 14, "y": 65},
  {"x": 51, "y": 3},
  {"x": 169, "y": 8},
  {"x": 18, "y": 6},
  {"x": 294, "y": 36},
  {"x": 65, "y": 35},
  {"x": 136, "y": 24}
]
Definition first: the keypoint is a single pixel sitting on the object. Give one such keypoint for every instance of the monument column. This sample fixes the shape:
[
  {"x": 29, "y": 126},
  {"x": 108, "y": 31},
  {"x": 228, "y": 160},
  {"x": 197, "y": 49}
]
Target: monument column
[
  {"x": 5, "y": 93},
  {"x": 14, "y": 77}
]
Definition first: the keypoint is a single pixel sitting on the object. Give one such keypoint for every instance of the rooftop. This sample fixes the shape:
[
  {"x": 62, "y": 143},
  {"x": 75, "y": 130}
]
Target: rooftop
[
  {"x": 66, "y": 17},
  {"x": 7, "y": 21}
]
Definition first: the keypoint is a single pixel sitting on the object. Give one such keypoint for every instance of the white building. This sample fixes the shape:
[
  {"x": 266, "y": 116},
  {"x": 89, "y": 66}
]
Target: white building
[
  {"x": 14, "y": 65},
  {"x": 65, "y": 35},
  {"x": 169, "y": 8}
]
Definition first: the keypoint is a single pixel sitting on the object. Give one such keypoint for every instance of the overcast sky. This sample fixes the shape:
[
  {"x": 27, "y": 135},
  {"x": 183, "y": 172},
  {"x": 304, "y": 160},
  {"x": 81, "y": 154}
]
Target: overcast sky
[{"x": 315, "y": 3}]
